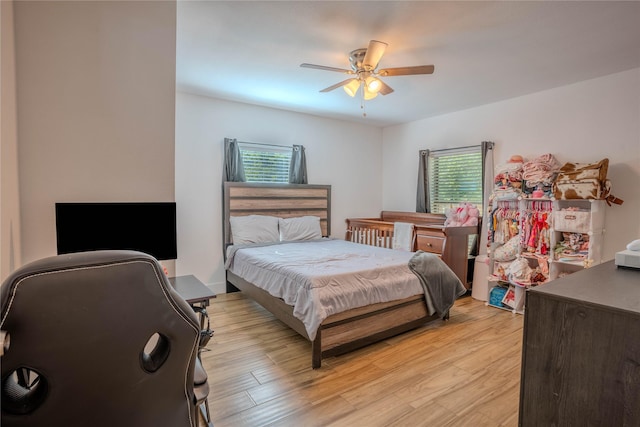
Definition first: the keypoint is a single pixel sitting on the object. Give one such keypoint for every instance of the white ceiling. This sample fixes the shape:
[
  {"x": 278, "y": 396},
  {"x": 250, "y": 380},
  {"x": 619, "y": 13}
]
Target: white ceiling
[{"x": 483, "y": 52}]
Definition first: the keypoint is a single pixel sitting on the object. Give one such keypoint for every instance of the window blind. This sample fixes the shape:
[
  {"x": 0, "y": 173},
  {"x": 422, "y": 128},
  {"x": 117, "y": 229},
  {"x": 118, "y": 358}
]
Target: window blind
[
  {"x": 455, "y": 176},
  {"x": 266, "y": 164}
]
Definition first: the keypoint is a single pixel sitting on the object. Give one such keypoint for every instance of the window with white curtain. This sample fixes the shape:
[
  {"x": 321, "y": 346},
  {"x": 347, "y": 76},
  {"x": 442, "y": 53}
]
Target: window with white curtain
[
  {"x": 455, "y": 175},
  {"x": 266, "y": 163}
]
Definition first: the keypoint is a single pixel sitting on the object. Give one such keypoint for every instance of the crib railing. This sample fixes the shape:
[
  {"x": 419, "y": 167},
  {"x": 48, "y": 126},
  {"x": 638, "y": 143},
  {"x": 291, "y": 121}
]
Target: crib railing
[{"x": 370, "y": 231}]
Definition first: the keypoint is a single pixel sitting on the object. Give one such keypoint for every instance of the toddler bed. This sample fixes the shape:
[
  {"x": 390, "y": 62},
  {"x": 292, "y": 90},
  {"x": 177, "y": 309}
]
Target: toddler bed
[{"x": 337, "y": 294}]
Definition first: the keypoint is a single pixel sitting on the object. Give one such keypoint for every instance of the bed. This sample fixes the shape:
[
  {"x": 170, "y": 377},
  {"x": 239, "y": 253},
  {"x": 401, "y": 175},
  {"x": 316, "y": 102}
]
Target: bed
[{"x": 339, "y": 331}]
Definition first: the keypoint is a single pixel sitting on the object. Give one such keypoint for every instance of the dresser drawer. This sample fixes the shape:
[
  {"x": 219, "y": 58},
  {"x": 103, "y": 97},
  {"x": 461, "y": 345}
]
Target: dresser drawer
[{"x": 431, "y": 244}]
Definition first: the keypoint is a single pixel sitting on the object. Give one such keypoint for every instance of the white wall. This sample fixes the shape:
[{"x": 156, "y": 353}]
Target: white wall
[
  {"x": 345, "y": 155},
  {"x": 10, "y": 250},
  {"x": 96, "y": 107},
  {"x": 583, "y": 122},
  {"x": 372, "y": 169}
]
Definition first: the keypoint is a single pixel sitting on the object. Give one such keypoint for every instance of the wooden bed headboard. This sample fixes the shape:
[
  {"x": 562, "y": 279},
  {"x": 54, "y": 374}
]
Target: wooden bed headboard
[{"x": 281, "y": 200}]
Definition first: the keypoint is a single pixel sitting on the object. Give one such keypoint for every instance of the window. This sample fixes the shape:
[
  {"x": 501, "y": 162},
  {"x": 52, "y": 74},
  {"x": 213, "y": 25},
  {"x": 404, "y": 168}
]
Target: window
[
  {"x": 455, "y": 176},
  {"x": 265, "y": 164}
]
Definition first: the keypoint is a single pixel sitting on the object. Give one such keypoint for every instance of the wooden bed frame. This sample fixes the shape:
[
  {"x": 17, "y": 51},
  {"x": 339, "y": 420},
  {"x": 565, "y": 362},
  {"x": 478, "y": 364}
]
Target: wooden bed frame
[{"x": 341, "y": 332}]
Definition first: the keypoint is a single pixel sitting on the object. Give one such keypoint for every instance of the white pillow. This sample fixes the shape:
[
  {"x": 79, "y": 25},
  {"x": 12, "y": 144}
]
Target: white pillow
[
  {"x": 300, "y": 228},
  {"x": 254, "y": 229}
]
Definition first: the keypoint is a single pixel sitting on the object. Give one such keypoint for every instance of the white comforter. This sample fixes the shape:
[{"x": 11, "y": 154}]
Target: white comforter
[{"x": 323, "y": 277}]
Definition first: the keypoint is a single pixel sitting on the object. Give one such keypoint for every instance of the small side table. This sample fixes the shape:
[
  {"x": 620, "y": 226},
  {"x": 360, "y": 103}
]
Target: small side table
[
  {"x": 197, "y": 295},
  {"x": 192, "y": 290}
]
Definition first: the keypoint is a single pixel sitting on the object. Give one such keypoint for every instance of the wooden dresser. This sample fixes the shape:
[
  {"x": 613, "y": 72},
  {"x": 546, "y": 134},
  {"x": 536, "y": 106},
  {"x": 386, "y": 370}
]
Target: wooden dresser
[
  {"x": 451, "y": 243},
  {"x": 581, "y": 350}
]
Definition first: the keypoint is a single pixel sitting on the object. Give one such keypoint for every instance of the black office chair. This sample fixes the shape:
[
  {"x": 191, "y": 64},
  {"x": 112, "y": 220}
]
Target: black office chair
[{"x": 101, "y": 339}]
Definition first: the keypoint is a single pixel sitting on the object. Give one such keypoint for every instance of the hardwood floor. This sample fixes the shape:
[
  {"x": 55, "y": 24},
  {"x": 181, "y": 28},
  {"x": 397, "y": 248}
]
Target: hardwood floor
[{"x": 462, "y": 372}]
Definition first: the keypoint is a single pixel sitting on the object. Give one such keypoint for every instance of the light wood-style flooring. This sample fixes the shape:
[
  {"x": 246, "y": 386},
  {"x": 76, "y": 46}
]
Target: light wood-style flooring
[{"x": 463, "y": 372}]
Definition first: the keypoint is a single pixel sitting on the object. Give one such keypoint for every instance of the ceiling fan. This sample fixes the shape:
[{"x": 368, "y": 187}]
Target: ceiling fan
[{"x": 364, "y": 68}]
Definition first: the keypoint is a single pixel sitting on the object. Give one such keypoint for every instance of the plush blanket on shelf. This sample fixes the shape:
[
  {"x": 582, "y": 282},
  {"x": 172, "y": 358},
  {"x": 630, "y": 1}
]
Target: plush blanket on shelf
[{"x": 439, "y": 282}]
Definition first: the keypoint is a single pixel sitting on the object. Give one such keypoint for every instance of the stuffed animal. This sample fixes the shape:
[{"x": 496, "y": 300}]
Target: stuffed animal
[{"x": 466, "y": 214}]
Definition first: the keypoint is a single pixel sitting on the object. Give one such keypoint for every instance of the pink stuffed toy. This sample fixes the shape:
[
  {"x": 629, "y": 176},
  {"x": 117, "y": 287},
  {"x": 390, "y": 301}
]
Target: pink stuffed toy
[{"x": 465, "y": 214}]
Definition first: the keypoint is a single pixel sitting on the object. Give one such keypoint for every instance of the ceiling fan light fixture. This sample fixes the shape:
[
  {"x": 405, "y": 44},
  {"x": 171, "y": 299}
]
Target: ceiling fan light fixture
[
  {"x": 373, "y": 84},
  {"x": 368, "y": 94},
  {"x": 352, "y": 87},
  {"x": 364, "y": 72}
]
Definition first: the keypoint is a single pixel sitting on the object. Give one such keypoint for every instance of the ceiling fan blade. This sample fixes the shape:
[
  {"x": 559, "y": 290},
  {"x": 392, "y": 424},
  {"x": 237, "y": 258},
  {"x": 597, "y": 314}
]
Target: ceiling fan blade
[
  {"x": 385, "y": 89},
  {"x": 337, "y": 85},
  {"x": 323, "y": 67},
  {"x": 406, "y": 71},
  {"x": 374, "y": 53}
]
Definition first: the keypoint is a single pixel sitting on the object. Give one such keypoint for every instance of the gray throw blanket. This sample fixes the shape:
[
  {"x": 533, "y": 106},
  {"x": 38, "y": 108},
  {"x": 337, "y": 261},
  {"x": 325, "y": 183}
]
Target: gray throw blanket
[{"x": 440, "y": 284}]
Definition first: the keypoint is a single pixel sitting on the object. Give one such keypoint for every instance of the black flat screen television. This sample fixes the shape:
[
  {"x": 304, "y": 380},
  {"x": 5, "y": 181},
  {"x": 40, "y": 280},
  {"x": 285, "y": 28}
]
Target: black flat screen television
[{"x": 148, "y": 227}]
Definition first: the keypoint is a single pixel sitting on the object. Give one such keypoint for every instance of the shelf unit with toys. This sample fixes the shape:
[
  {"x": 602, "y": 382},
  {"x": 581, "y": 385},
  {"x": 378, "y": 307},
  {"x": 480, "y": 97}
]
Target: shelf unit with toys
[
  {"x": 535, "y": 237},
  {"x": 540, "y": 240},
  {"x": 519, "y": 251}
]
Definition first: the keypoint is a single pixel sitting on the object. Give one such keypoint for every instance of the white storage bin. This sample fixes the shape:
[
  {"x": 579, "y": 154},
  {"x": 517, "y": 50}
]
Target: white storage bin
[
  {"x": 480, "y": 287},
  {"x": 572, "y": 221}
]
